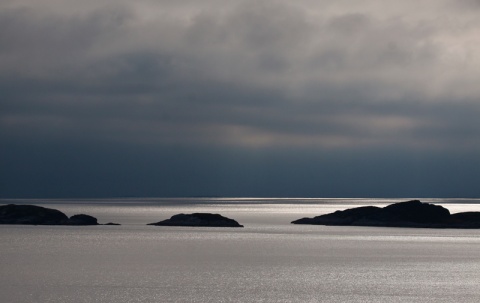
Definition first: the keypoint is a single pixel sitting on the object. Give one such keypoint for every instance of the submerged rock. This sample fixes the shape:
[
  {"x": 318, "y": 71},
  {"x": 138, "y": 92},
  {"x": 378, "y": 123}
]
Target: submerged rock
[
  {"x": 38, "y": 215},
  {"x": 198, "y": 219},
  {"x": 404, "y": 214}
]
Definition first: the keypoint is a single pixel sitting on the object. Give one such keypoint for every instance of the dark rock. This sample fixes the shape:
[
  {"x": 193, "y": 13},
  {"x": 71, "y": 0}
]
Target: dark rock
[
  {"x": 345, "y": 217},
  {"x": 467, "y": 216},
  {"x": 415, "y": 211},
  {"x": 82, "y": 220},
  {"x": 38, "y": 215},
  {"x": 31, "y": 214},
  {"x": 198, "y": 219},
  {"x": 466, "y": 219},
  {"x": 404, "y": 214}
]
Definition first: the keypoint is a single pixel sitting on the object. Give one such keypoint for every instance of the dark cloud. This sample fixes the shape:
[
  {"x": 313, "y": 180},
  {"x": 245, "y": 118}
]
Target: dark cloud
[{"x": 318, "y": 83}]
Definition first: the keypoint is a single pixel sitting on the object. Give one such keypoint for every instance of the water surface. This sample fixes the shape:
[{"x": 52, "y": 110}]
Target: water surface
[{"x": 269, "y": 260}]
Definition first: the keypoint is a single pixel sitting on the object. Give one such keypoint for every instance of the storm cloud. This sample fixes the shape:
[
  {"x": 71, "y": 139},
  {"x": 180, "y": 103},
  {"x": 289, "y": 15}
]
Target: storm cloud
[{"x": 318, "y": 92}]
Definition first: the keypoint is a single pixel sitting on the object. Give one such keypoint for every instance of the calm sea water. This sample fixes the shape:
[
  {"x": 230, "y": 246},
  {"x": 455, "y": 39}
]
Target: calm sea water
[{"x": 269, "y": 260}]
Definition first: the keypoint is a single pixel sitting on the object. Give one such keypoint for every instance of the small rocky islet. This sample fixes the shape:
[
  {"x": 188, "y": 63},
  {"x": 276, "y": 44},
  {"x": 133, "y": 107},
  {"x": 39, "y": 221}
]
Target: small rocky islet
[
  {"x": 412, "y": 213},
  {"x": 198, "y": 219},
  {"x": 38, "y": 215}
]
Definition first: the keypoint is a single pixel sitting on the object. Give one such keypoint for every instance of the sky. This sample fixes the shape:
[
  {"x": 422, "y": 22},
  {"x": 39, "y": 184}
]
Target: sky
[{"x": 265, "y": 98}]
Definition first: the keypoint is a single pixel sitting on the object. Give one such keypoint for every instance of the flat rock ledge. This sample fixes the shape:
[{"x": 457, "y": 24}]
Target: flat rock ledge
[
  {"x": 404, "y": 214},
  {"x": 38, "y": 215},
  {"x": 198, "y": 219}
]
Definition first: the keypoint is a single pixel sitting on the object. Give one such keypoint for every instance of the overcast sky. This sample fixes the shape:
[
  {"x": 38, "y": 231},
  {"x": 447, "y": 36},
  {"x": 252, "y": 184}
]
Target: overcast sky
[{"x": 325, "y": 98}]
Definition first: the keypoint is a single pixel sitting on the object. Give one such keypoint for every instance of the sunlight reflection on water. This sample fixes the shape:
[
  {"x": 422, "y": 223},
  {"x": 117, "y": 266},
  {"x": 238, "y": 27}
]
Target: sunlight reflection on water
[{"x": 270, "y": 260}]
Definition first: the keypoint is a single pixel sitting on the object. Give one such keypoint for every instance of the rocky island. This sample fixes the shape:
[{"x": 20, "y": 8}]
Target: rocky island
[
  {"x": 404, "y": 214},
  {"x": 198, "y": 219},
  {"x": 38, "y": 215}
]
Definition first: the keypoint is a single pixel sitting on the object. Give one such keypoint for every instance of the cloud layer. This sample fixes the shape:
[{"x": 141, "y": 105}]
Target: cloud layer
[{"x": 314, "y": 75}]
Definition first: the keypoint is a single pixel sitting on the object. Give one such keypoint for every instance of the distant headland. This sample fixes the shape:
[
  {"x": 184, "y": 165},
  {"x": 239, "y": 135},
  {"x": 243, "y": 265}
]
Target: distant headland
[
  {"x": 198, "y": 219},
  {"x": 38, "y": 215},
  {"x": 404, "y": 214}
]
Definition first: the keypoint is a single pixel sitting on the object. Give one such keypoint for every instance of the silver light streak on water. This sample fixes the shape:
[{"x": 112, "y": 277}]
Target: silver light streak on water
[{"x": 269, "y": 260}]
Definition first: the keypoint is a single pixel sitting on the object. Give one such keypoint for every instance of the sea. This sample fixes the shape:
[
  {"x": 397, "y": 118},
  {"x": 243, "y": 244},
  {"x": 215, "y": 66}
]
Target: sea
[{"x": 269, "y": 260}]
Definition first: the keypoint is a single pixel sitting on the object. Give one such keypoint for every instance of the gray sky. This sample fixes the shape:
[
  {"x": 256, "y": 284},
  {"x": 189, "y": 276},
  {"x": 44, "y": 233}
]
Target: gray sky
[{"x": 239, "y": 98}]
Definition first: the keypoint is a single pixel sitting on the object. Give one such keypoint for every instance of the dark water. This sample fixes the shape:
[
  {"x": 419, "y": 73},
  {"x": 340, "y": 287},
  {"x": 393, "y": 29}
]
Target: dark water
[{"x": 269, "y": 260}]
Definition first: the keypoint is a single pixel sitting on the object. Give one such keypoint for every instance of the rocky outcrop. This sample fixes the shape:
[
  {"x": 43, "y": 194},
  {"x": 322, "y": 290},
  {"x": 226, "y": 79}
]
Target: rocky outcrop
[
  {"x": 82, "y": 220},
  {"x": 198, "y": 219},
  {"x": 31, "y": 215},
  {"x": 38, "y": 215},
  {"x": 404, "y": 214},
  {"x": 466, "y": 219}
]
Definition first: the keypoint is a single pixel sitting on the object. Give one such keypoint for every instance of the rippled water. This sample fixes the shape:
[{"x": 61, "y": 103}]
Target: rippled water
[{"x": 269, "y": 260}]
